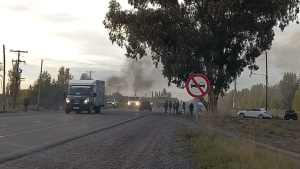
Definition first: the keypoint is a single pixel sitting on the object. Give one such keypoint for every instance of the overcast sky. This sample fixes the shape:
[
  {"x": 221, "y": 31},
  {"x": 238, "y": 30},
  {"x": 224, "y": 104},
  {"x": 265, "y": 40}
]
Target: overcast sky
[{"x": 71, "y": 34}]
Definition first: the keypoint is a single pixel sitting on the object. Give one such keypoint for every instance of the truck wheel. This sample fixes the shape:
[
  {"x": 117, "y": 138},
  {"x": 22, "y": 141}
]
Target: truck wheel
[
  {"x": 78, "y": 112},
  {"x": 89, "y": 110},
  {"x": 97, "y": 110}
]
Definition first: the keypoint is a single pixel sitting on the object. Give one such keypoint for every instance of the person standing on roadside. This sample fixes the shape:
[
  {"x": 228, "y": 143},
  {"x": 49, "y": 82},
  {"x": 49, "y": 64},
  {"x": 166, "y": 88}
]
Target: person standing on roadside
[
  {"x": 174, "y": 107},
  {"x": 170, "y": 106},
  {"x": 166, "y": 106},
  {"x": 25, "y": 105},
  {"x": 177, "y": 107},
  {"x": 183, "y": 108},
  {"x": 191, "y": 108}
]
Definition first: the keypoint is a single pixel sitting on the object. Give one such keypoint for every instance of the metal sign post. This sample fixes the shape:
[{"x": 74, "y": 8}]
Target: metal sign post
[{"x": 197, "y": 86}]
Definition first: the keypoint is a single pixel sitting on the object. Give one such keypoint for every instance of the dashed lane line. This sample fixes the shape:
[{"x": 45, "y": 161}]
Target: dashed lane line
[
  {"x": 45, "y": 146},
  {"x": 5, "y": 125},
  {"x": 46, "y": 128},
  {"x": 38, "y": 121}
]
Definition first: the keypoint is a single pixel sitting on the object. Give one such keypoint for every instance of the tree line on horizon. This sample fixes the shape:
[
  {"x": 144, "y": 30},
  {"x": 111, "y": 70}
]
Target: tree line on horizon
[
  {"x": 281, "y": 96},
  {"x": 51, "y": 88}
]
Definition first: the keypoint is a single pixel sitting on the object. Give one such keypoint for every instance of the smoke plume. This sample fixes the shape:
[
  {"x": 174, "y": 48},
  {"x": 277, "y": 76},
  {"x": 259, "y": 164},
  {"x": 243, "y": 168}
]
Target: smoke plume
[{"x": 135, "y": 75}]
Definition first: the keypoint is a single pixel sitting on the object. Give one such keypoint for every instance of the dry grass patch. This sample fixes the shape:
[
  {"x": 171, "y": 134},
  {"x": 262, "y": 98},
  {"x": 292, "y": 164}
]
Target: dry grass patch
[{"x": 210, "y": 151}]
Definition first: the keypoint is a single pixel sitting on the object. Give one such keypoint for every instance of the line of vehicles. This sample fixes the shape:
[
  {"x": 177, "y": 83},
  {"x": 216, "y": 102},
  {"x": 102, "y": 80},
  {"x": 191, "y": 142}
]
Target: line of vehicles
[
  {"x": 89, "y": 95},
  {"x": 263, "y": 114},
  {"x": 136, "y": 102}
]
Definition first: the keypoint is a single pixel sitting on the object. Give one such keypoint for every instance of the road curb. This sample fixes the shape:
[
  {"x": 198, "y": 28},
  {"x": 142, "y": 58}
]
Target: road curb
[{"x": 43, "y": 147}]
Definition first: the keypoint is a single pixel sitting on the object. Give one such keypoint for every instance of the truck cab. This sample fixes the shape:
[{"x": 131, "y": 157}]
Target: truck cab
[
  {"x": 133, "y": 102},
  {"x": 85, "y": 95}
]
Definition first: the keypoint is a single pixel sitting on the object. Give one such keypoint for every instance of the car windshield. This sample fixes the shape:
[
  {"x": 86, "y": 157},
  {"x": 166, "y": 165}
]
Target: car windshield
[
  {"x": 133, "y": 98},
  {"x": 109, "y": 100},
  {"x": 79, "y": 91}
]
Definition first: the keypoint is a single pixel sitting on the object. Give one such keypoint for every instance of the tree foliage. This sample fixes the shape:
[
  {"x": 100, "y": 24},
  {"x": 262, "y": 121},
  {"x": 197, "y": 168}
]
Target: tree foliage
[
  {"x": 287, "y": 87},
  {"x": 12, "y": 81},
  {"x": 281, "y": 96},
  {"x": 296, "y": 101},
  {"x": 216, "y": 38},
  {"x": 50, "y": 88}
]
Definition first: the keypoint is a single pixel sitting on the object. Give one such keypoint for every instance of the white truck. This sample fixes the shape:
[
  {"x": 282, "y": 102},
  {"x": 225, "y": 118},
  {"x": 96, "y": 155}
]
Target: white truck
[
  {"x": 133, "y": 102},
  {"x": 85, "y": 95}
]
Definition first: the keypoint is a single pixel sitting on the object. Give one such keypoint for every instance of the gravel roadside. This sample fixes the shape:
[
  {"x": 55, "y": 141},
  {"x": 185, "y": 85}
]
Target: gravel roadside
[{"x": 148, "y": 142}]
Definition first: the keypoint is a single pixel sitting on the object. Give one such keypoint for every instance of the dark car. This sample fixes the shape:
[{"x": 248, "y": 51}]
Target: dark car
[
  {"x": 290, "y": 115},
  {"x": 201, "y": 84},
  {"x": 146, "y": 105}
]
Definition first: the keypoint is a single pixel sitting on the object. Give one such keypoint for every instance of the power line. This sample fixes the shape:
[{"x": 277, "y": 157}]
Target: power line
[{"x": 285, "y": 45}]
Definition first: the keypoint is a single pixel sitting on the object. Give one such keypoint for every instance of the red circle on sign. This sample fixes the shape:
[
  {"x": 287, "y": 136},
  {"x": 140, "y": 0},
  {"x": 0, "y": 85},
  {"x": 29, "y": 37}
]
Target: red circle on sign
[{"x": 193, "y": 79}]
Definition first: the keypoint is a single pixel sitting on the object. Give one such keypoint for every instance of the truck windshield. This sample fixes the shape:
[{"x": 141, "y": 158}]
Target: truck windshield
[
  {"x": 133, "y": 98},
  {"x": 79, "y": 91}
]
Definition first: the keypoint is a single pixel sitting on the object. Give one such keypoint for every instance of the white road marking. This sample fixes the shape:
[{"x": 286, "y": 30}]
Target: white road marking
[
  {"x": 65, "y": 118},
  {"x": 4, "y": 125},
  {"x": 38, "y": 121},
  {"x": 31, "y": 131}
]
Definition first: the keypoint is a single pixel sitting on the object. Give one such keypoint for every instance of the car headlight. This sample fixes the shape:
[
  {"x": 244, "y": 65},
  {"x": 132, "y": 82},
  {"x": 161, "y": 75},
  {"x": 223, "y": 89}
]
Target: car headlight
[
  {"x": 137, "y": 103},
  {"x": 67, "y": 100},
  {"x": 87, "y": 100},
  {"x": 128, "y": 103}
]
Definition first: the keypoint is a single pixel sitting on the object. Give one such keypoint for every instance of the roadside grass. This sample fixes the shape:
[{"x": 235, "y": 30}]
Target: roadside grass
[
  {"x": 19, "y": 108},
  {"x": 34, "y": 108},
  {"x": 211, "y": 151},
  {"x": 7, "y": 111},
  {"x": 253, "y": 127}
]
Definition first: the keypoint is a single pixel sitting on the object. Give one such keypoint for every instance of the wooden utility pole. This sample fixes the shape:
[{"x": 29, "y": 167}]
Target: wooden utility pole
[
  {"x": 4, "y": 77},
  {"x": 38, "y": 106},
  {"x": 266, "y": 81},
  {"x": 17, "y": 75}
]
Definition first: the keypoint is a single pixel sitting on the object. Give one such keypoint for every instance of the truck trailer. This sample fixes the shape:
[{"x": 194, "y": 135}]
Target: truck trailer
[{"x": 85, "y": 95}]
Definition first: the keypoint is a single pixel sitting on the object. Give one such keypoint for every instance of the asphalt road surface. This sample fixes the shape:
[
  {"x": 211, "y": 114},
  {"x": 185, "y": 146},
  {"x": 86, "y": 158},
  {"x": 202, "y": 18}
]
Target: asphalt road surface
[{"x": 116, "y": 138}]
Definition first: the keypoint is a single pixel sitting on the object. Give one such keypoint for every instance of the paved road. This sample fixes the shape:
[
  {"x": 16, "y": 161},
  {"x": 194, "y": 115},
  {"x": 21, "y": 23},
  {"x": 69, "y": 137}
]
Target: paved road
[
  {"x": 148, "y": 142},
  {"x": 24, "y": 131}
]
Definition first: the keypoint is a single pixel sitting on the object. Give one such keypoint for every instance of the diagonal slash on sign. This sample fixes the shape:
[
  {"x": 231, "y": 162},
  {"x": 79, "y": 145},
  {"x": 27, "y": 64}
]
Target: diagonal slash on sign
[{"x": 198, "y": 86}]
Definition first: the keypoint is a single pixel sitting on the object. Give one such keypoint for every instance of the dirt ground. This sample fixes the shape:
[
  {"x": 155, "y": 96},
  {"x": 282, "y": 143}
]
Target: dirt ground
[{"x": 279, "y": 133}]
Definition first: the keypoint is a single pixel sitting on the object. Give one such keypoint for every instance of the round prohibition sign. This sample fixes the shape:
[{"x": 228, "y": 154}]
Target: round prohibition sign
[{"x": 197, "y": 85}]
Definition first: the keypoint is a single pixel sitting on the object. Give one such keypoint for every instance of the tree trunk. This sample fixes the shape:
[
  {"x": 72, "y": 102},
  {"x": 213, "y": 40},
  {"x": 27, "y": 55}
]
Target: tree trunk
[{"x": 211, "y": 105}]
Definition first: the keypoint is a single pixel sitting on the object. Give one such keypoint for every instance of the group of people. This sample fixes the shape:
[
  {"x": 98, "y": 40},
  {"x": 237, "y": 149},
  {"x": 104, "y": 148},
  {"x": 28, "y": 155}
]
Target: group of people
[{"x": 177, "y": 106}]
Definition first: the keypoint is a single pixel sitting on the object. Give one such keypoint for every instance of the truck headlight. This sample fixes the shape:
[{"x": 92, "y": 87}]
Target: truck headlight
[
  {"x": 67, "y": 100},
  {"x": 137, "y": 103},
  {"x": 87, "y": 100},
  {"x": 128, "y": 103}
]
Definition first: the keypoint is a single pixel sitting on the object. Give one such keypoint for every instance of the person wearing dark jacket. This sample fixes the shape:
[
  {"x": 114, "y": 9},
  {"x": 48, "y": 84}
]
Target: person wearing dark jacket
[
  {"x": 166, "y": 106},
  {"x": 177, "y": 107},
  {"x": 191, "y": 108},
  {"x": 170, "y": 106},
  {"x": 25, "y": 105},
  {"x": 183, "y": 108},
  {"x": 174, "y": 107}
]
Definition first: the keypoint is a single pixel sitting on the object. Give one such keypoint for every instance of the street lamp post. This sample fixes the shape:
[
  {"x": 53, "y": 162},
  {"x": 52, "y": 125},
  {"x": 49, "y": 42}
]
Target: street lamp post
[{"x": 266, "y": 75}]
